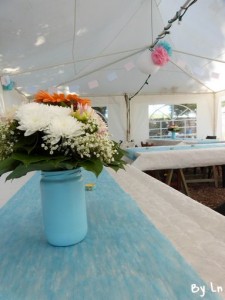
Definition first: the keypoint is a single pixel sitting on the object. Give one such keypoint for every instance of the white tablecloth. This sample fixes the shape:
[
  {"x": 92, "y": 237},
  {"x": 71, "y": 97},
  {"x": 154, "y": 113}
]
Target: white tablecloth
[
  {"x": 179, "y": 159},
  {"x": 195, "y": 230}
]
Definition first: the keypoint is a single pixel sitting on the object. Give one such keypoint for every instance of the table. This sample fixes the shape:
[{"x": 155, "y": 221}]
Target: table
[
  {"x": 177, "y": 157},
  {"x": 177, "y": 140},
  {"x": 124, "y": 256}
]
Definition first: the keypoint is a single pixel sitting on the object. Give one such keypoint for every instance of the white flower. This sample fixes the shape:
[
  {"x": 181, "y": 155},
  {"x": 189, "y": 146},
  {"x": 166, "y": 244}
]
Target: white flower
[
  {"x": 54, "y": 110},
  {"x": 33, "y": 117},
  {"x": 63, "y": 126}
]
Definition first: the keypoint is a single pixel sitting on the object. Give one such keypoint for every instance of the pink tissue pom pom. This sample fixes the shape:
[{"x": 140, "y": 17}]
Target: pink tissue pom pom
[{"x": 160, "y": 56}]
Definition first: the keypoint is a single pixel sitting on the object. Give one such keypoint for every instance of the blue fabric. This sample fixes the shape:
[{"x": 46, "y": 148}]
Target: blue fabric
[
  {"x": 199, "y": 141},
  {"x": 122, "y": 257}
]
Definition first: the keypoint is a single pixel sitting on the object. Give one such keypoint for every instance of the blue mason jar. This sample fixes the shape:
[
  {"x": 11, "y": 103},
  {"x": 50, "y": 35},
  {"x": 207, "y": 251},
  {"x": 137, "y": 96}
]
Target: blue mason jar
[
  {"x": 63, "y": 206},
  {"x": 173, "y": 135}
]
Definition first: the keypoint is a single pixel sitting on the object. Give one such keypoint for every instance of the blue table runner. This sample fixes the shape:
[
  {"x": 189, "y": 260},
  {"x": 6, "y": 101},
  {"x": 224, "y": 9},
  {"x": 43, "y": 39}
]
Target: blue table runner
[{"x": 123, "y": 257}]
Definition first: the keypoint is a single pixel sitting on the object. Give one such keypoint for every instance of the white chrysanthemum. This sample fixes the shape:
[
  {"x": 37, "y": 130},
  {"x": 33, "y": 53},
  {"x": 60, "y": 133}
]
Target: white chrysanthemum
[
  {"x": 54, "y": 110},
  {"x": 33, "y": 117},
  {"x": 63, "y": 126}
]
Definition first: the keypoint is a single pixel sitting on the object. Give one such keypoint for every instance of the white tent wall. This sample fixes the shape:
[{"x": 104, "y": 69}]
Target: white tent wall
[
  {"x": 219, "y": 98},
  {"x": 139, "y": 113},
  {"x": 139, "y": 119},
  {"x": 116, "y": 114},
  {"x": 205, "y": 112},
  {"x": 8, "y": 99}
]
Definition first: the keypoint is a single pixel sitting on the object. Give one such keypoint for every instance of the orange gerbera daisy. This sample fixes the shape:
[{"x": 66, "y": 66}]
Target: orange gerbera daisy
[
  {"x": 42, "y": 96},
  {"x": 45, "y": 97},
  {"x": 84, "y": 101},
  {"x": 76, "y": 98}
]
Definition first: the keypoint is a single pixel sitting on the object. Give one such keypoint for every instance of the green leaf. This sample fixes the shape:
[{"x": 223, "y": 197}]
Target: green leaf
[
  {"x": 94, "y": 166},
  {"x": 8, "y": 165},
  {"x": 116, "y": 167},
  {"x": 20, "y": 164},
  {"x": 30, "y": 159},
  {"x": 27, "y": 143},
  {"x": 22, "y": 170}
]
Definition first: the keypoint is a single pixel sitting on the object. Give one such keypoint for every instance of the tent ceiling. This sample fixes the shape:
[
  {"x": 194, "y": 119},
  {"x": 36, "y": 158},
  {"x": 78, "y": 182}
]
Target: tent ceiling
[{"x": 91, "y": 46}]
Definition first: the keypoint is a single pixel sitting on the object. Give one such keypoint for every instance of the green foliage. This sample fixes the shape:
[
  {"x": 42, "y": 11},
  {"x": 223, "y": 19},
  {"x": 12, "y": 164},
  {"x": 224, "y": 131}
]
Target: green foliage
[{"x": 24, "y": 159}]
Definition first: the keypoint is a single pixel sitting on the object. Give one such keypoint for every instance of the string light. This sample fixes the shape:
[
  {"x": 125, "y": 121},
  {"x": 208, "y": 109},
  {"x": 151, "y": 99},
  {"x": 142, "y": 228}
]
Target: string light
[{"x": 178, "y": 16}]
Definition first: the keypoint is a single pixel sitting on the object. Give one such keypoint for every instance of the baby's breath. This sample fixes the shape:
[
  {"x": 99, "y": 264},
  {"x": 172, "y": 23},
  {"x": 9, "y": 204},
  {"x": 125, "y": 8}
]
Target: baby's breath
[{"x": 7, "y": 140}]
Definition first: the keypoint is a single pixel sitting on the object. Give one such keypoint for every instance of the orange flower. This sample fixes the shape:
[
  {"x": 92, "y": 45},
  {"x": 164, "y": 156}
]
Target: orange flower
[
  {"x": 45, "y": 97},
  {"x": 84, "y": 101},
  {"x": 76, "y": 98},
  {"x": 73, "y": 97},
  {"x": 59, "y": 98}
]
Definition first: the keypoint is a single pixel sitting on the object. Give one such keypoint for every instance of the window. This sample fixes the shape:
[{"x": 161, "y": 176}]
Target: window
[
  {"x": 102, "y": 111},
  {"x": 183, "y": 115}
]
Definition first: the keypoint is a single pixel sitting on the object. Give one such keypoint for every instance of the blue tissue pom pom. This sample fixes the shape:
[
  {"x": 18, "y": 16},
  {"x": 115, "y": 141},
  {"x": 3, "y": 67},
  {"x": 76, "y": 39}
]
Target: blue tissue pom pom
[
  {"x": 9, "y": 87},
  {"x": 166, "y": 46}
]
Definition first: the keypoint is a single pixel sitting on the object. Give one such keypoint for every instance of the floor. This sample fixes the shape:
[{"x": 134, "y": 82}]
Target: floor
[{"x": 208, "y": 194}]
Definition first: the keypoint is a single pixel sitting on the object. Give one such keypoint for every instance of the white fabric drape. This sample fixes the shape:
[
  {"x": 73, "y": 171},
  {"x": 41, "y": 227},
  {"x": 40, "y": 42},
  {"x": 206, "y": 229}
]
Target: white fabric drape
[
  {"x": 219, "y": 98},
  {"x": 2, "y": 105},
  {"x": 10, "y": 99}
]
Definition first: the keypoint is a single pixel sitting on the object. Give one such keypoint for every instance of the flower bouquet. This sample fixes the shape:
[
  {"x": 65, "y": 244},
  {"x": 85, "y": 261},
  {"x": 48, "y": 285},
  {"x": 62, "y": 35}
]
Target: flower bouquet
[
  {"x": 173, "y": 128},
  {"x": 56, "y": 132}
]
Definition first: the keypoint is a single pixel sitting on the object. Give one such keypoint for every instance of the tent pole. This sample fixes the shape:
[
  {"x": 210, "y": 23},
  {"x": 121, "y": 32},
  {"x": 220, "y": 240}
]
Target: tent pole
[
  {"x": 127, "y": 101},
  {"x": 215, "y": 114},
  {"x": 2, "y": 103}
]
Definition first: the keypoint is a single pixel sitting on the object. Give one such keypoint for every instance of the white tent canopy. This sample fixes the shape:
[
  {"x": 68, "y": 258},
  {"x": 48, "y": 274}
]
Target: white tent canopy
[{"x": 94, "y": 46}]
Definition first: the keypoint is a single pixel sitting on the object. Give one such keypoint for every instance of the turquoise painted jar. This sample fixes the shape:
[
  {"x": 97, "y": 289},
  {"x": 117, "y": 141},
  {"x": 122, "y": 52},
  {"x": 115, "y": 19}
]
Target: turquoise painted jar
[
  {"x": 63, "y": 207},
  {"x": 173, "y": 135}
]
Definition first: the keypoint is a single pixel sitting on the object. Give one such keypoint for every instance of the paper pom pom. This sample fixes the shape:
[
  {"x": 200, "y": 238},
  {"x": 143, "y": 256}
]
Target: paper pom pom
[
  {"x": 7, "y": 83},
  {"x": 166, "y": 46},
  {"x": 5, "y": 80},
  {"x": 145, "y": 63},
  {"x": 160, "y": 56},
  {"x": 9, "y": 87}
]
